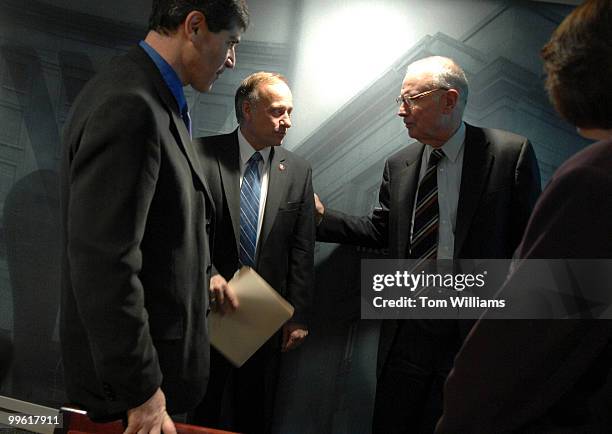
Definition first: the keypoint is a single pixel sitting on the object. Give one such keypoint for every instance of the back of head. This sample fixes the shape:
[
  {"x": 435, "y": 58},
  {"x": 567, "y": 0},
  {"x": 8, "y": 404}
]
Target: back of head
[
  {"x": 167, "y": 15},
  {"x": 578, "y": 64},
  {"x": 445, "y": 73},
  {"x": 248, "y": 89}
]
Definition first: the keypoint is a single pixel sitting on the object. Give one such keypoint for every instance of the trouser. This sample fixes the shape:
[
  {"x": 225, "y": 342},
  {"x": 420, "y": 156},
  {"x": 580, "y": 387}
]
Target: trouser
[
  {"x": 241, "y": 399},
  {"x": 409, "y": 389}
]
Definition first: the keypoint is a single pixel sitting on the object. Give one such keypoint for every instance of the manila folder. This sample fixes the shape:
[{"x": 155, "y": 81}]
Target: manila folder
[{"x": 261, "y": 312}]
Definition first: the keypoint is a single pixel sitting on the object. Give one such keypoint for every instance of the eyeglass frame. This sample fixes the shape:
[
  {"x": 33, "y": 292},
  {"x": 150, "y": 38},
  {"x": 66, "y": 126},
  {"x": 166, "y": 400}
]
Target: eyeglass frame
[{"x": 409, "y": 100}]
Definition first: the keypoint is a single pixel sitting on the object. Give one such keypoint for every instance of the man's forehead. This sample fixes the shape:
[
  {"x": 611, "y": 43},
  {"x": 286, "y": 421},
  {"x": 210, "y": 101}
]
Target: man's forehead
[
  {"x": 415, "y": 80},
  {"x": 274, "y": 87}
]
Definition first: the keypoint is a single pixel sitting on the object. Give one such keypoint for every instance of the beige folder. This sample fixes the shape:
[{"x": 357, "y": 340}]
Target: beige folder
[{"x": 261, "y": 312}]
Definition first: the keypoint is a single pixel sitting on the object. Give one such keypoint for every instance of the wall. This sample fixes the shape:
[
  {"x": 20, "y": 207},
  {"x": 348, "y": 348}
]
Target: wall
[{"x": 343, "y": 46}]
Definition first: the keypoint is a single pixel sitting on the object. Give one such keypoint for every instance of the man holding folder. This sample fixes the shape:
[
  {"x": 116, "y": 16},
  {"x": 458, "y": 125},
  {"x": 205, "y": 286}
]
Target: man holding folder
[{"x": 265, "y": 220}]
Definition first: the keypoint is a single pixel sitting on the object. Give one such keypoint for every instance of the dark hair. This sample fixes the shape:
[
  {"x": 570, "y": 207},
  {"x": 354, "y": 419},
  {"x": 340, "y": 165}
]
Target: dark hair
[
  {"x": 578, "y": 64},
  {"x": 248, "y": 89},
  {"x": 167, "y": 15}
]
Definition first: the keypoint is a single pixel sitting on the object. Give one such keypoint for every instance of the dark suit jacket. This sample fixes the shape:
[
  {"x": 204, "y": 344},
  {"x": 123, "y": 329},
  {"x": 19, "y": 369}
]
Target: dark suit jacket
[
  {"x": 545, "y": 376},
  {"x": 285, "y": 249},
  {"x": 136, "y": 262},
  {"x": 500, "y": 183}
]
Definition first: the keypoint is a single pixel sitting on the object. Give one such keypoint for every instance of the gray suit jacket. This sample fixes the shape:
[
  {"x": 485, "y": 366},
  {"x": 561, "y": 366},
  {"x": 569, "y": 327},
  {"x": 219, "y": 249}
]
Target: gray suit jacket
[
  {"x": 135, "y": 261},
  {"x": 500, "y": 183},
  {"x": 285, "y": 249}
]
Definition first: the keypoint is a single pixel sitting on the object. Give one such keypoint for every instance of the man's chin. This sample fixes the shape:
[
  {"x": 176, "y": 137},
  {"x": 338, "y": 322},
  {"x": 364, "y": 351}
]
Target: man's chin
[
  {"x": 411, "y": 132},
  {"x": 204, "y": 87},
  {"x": 279, "y": 139}
]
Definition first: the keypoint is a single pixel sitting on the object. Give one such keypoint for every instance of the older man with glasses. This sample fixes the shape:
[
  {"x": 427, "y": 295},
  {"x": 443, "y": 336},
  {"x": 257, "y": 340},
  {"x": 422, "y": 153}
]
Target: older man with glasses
[{"x": 486, "y": 183}]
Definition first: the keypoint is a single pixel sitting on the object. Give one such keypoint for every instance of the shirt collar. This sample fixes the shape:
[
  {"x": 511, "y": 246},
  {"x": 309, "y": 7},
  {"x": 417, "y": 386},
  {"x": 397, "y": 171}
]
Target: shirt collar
[
  {"x": 169, "y": 75},
  {"x": 246, "y": 150},
  {"x": 453, "y": 146}
]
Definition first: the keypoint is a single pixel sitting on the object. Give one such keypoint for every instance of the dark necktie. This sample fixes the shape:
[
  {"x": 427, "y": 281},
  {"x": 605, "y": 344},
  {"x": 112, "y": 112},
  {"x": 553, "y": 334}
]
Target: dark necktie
[
  {"x": 186, "y": 118},
  {"x": 249, "y": 210},
  {"x": 424, "y": 238}
]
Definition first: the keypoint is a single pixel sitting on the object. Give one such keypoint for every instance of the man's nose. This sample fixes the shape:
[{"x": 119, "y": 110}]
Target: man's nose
[
  {"x": 230, "y": 62},
  {"x": 286, "y": 121}
]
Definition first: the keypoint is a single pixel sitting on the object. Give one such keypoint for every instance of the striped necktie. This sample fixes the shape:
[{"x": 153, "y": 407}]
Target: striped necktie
[
  {"x": 424, "y": 237},
  {"x": 249, "y": 210}
]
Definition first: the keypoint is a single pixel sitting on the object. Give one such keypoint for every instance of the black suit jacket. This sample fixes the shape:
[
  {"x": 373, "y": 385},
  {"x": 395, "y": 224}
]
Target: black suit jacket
[
  {"x": 136, "y": 261},
  {"x": 285, "y": 249},
  {"x": 500, "y": 183},
  {"x": 545, "y": 376}
]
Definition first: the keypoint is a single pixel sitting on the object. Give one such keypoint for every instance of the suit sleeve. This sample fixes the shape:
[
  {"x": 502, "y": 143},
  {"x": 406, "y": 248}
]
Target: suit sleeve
[
  {"x": 526, "y": 191},
  {"x": 300, "y": 276},
  {"x": 113, "y": 174},
  {"x": 369, "y": 231}
]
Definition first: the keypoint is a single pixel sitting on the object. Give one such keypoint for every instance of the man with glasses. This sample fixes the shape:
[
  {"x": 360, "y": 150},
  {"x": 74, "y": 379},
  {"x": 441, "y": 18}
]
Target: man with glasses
[{"x": 486, "y": 182}]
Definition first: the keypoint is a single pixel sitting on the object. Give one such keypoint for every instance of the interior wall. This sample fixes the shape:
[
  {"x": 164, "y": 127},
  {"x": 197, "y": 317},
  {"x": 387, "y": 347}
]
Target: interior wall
[{"x": 345, "y": 45}]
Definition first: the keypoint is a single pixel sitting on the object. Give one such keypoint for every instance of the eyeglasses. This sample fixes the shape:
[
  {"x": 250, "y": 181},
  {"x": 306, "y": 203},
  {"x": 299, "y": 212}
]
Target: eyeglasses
[{"x": 409, "y": 100}]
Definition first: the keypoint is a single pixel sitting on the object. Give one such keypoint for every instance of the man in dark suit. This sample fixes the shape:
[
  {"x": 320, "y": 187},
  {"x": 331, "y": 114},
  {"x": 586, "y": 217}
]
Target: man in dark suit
[
  {"x": 547, "y": 375},
  {"x": 136, "y": 213},
  {"x": 485, "y": 182},
  {"x": 264, "y": 219}
]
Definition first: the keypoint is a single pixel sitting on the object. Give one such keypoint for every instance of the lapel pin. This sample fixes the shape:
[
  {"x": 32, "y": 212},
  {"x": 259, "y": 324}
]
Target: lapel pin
[{"x": 281, "y": 166}]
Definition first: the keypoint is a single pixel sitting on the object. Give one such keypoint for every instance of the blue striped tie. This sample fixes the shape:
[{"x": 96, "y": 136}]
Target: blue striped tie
[{"x": 249, "y": 210}]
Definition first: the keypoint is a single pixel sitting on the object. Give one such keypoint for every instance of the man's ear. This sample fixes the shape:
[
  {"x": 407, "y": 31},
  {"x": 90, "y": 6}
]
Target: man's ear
[
  {"x": 451, "y": 99},
  {"x": 247, "y": 110},
  {"x": 194, "y": 24}
]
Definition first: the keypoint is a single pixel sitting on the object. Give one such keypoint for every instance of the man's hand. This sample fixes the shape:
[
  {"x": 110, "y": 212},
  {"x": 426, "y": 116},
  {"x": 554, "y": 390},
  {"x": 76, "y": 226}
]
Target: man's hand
[
  {"x": 293, "y": 335},
  {"x": 319, "y": 209},
  {"x": 223, "y": 299},
  {"x": 150, "y": 417}
]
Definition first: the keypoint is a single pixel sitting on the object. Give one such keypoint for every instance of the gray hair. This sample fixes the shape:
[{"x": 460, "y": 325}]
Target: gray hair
[{"x": 445, "y": 72}]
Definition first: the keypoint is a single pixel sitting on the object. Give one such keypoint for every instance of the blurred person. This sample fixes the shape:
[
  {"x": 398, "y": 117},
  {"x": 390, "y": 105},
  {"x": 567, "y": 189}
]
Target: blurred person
[
  {"x": 264, "y": 214},
  {"x": 485, "y": 181},
  {"x": 545, "y": 376},
  {"x": 135, "y": 218}
]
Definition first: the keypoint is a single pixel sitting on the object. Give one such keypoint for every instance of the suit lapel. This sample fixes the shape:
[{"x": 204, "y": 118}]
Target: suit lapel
[
  {"x": 277, "y": 183},
  {"x": 405, "y": 196},
  {"x": 477, "y": 162},
  {"x": 178, "y": 127},
  {"x": 229, "y": 167}
]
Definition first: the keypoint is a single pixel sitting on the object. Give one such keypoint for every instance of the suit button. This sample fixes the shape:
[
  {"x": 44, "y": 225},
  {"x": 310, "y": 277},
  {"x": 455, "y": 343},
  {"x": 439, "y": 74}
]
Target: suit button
[{"x": 208, "y": 227}]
